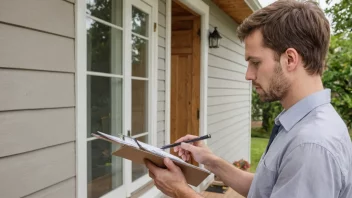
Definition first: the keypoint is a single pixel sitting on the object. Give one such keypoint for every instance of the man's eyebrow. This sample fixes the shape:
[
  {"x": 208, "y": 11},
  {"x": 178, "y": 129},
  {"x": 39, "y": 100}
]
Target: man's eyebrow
[{"x": 248, "y": 58}]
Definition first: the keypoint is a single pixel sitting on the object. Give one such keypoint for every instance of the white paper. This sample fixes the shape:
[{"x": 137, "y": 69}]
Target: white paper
[{"x": 131, "y": 142}]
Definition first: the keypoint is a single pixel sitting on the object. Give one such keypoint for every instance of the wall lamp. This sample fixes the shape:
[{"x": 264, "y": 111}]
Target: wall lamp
[{"x": 214, "y": 39}]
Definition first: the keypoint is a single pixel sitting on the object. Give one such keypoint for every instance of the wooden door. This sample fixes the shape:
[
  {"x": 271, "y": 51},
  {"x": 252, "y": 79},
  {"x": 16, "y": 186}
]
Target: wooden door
[{"x": 185, "y": 77}]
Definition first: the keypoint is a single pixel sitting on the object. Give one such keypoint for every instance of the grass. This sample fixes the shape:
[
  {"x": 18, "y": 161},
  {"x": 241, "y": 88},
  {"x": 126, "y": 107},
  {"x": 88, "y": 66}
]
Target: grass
[
  {"x": 258, "y": 146},
  {"x": 259, "y": 132}
]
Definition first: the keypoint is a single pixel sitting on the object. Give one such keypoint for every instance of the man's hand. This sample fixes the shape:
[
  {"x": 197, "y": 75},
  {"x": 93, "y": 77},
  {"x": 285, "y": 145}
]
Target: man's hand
[
  {"x": 170, "y": 181},
  {"x": 200, "y": 152}
]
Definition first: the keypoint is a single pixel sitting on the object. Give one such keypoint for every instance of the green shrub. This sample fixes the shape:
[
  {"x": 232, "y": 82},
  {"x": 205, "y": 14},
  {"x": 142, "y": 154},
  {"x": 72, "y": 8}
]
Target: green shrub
[{"x": 259, "y": 132}]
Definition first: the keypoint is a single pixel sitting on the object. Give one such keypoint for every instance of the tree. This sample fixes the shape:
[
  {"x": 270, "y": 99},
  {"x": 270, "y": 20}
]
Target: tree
[
  {"x": 338, "y": 76},
  {"x": 341, "y": 14}
]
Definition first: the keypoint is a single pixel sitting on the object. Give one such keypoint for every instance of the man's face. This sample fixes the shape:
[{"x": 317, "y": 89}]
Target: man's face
[{"x": 266, "y": 73}]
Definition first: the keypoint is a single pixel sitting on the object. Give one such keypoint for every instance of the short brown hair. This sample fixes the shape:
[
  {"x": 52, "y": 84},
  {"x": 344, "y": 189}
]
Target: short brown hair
[{"x": 292, "y": 24}]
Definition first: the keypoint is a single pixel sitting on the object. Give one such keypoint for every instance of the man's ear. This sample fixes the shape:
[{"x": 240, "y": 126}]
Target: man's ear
[{"x": 292, "y": 58}]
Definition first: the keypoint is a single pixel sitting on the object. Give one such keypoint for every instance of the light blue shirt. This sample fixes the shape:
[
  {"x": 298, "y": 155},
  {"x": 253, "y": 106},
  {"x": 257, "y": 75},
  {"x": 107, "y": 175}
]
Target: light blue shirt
[{"x": 311, "y": 157}]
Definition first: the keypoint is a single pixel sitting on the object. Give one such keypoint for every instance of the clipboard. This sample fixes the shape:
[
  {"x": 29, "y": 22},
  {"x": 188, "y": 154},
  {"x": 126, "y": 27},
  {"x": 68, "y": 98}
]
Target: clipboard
[{"x": 194, "y": 175}]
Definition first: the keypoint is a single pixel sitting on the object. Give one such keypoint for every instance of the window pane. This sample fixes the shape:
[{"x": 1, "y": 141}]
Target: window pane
[
  {"x": 139, "y": 57},
  {"x": 140, "y": 21},
  {"x": 104, "y": 170},
  {"x": 139, "y": 106},
  {"x": 104, "y": 105},
  {"x": 107, "y": 10},
  {"x": 138, "y": 170},
  {"x": 104, "y": 48}
]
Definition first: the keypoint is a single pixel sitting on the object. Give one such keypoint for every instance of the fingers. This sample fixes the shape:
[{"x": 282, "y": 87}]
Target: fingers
[
  {"x": 184, "y": 138},
  {"x": 170, "y": 165},
  {"x": 189, "y": 147},
  {"x": 152, "y": 168},
  {"x": 151, "y": 175}
]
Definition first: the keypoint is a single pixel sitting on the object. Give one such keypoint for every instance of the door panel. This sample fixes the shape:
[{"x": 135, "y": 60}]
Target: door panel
[{"x": 185, "y": 77}]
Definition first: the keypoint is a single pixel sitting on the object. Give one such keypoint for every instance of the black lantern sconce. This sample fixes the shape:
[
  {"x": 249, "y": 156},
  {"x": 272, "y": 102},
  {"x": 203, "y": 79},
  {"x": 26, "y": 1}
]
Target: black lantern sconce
[{"x": 214, "y": 39}]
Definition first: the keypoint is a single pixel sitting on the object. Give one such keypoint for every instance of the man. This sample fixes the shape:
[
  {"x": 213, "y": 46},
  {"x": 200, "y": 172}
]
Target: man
[{"x": 309, "y": 154}]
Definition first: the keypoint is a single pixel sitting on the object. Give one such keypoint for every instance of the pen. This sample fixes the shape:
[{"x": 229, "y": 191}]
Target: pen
[{"x": 187, "y": 141}]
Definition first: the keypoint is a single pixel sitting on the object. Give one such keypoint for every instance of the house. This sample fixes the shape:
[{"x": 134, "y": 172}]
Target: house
[{"x": 142, "y": 68}]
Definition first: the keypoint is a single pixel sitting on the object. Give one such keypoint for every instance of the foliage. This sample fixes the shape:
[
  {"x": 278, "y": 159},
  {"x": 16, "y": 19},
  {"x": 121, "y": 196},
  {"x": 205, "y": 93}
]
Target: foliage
[
  {"x": 265, "y": 111},
  {"x": 341, "y": 14},
  {"x": 338, "y": 76},
  {"x": 259, "y": 132}
]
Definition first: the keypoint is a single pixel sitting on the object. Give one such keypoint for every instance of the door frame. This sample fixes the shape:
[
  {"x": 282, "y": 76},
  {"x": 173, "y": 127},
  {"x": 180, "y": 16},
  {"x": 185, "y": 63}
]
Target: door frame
[{"x": 202, "y": 9}]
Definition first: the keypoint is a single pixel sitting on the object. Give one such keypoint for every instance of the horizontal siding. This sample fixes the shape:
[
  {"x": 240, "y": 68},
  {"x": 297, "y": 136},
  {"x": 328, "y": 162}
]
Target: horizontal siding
[
  {"x": 161, "y": 72},
  {"x": 161, "y": 41},
  {"x": 217, "y": 100},
  {"x": 161, "y": 63},
  {"x": 23, "y": 129},
  {"x": 228, "y": 92},
  {"x": 215, "y": 109},
  {"x": 228, "y": 101},
  {"x": 161, "y": 75},
  {"x": 27, "y": 173},
  {"x": 162, "y": 7},
  {"x": 37, "y": 86},
  {"x": 161, "y": 136},
  {"x": 161, "y": 85},
  {"x": 219, "y": 62},
  {"x": 64, "y": 189},
  {"x": 161, "y": 52},
  {"x": 52, "y": 52},
  {"x": 221, "y": 83},
  {"x": 162, "y": 31},
  {"x": 161, "y": 106},
  {"x": 225, "y": 74},
  {"x": 161, "y": 96},
  {"x": 56, "y": 17},
  {"x": 226, "y": 115},
  {"x": 31, "y": 89},
  {"x": 227, "y": 131},
  {"x": 162, "y": 20},
  {"x": 218, "y": 126},
  {"x": 161, "y": 126},
  {"x": 231, "y": 145},
  {"x": 228, "y": 55},
  {"x": 233, "y": 137}
]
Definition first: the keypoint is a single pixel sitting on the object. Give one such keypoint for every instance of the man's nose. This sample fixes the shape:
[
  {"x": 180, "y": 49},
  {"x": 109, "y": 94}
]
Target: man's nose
[{"x": 250, "y": 74}]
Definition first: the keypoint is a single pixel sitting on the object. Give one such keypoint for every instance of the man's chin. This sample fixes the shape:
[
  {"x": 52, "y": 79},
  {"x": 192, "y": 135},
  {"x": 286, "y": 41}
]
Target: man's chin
[{"x": 265, "y": 98}]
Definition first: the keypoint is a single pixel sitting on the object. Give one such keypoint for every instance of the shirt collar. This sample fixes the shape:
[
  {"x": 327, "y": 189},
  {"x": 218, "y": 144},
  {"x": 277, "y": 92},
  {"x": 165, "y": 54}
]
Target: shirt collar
[{"x": 288, "y": 118}]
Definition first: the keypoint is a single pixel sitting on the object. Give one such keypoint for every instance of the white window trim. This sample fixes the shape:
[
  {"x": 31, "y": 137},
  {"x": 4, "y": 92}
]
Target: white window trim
[{"x": 81, "y": 100}]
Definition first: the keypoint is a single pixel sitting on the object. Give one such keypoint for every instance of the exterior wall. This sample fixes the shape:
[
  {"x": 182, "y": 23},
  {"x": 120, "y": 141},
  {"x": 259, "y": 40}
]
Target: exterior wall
[
  {"x": 228, "y": 91},
  {"x": 37, "y": 103},
  {"x": 161, "y": 72}
]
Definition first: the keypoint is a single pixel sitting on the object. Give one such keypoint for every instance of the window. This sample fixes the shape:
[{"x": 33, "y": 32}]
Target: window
[{"x": 120, "y": 90}]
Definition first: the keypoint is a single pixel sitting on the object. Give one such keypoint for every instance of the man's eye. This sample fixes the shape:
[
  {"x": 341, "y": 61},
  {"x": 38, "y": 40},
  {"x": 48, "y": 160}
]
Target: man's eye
[{"x": 255, "y": 63}]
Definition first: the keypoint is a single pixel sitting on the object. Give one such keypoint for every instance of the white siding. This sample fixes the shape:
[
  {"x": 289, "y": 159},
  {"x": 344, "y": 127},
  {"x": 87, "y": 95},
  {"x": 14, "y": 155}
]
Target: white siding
[
  {"x": 161, "y": 72},
  {"x": 228, "y": 91},
  {"x": 37, "y": 103}
]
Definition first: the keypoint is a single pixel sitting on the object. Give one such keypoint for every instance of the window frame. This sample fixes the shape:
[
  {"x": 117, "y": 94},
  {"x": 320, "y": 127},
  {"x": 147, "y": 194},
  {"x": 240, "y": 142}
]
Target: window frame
[{"x": 81, "y": 93}]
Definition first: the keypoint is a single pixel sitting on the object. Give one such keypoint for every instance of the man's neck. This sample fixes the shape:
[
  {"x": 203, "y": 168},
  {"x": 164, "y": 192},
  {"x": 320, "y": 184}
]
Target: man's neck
[{"x": 300, "y": 90}]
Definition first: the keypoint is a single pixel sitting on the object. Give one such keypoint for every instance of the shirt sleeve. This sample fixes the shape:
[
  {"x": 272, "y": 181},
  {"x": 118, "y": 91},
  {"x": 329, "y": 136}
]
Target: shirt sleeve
[{"x": 309, "y": 170}]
